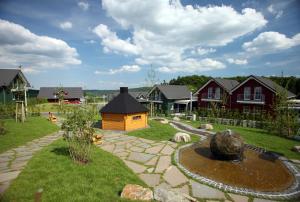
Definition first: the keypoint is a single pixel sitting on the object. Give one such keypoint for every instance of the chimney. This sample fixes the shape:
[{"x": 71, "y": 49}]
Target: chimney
[{"x": 123, "y": 89}]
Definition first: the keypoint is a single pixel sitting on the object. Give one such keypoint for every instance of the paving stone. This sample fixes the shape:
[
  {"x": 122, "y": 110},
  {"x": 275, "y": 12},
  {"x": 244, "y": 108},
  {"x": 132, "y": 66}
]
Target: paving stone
[
  {"x": 119, "y": 151},
  {"x": 203, "y": 191},
  {"x": 167, "y": 150},
  {"x": 108, "y": 148},
  {"x": 174, "y": 177},
  {"x": 147, "y": 141},
  {"x": 23, "y": 158},
  {"x": 122, "y": 154},
  {"x": 262, "y": 200},
  {"x": 137, "y": 149},
  {"x": 137, "y": 168},
  {"x": 238, "y": 198},
  {"x": 296, "y": 161},
  {"x": 155, "y": 149},
  {"x": 152, "y": 162},
  {"x": 4, "y": 177},
  {"x": 164, "y": 162},
  {"x": 144, "y": 145},
  {"x": 172, "y": 144},
  {"x": 184, "y": 189},
  {"x": 140, "y": 157},
  {"x": 150, "y": 179},
  {"x": 150, "y": 170},
  {"x": 18, "y": 165}
]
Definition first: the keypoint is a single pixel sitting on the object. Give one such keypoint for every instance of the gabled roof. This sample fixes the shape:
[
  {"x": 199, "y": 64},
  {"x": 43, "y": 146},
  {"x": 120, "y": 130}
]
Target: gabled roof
[
  {"x": 71, "y": 92},
  {"x": 226, "y": 84},
  {"x": 268, "y": 83},
  {"x": 124, "y": 103},
  {"x": 173, "y": 92},
  {"x": 8, "y": 75}
]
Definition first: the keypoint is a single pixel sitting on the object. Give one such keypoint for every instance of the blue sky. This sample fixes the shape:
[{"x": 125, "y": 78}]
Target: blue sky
[{"x": 111, "y": 43}]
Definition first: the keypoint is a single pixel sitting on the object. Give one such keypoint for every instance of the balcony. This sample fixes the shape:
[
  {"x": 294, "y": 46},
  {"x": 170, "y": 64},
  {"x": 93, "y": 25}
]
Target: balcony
[
  {"x": 211, "y": 97},
  {"x": 251, "y": 99}
]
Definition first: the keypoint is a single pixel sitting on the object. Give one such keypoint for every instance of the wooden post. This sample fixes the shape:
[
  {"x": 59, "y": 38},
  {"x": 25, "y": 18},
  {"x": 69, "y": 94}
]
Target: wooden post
[
  {"x": 22, "y": 112},
  {"x": 25, "y": 99},
  {"x": 16, "y": 112},
  {"x": 38, "y": 195}
]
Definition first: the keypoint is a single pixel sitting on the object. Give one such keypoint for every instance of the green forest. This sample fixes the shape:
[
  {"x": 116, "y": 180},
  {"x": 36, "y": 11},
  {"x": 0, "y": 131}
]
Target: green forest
[{"x": 194, "y": 82}]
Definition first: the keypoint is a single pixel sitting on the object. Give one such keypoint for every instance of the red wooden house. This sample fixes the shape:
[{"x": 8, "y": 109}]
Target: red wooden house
[
  {"x": 216, "y": 91},
  {"x": 256, "y": 94}
]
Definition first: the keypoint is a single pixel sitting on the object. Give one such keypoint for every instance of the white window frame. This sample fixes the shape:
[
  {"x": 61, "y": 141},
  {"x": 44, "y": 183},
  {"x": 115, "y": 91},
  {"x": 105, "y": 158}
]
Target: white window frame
[
  {"x": 259, "y": 91},
  {"x": 217, "y": 93},
  {"x": 210, "y": 93},
  {"x": 249, "y": 93}
]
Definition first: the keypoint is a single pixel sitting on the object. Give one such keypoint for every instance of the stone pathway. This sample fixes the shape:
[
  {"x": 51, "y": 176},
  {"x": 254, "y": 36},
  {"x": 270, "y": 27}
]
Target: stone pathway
[
  {"x": 13, "y": 161},
  {"x": 151, "y": 161}
]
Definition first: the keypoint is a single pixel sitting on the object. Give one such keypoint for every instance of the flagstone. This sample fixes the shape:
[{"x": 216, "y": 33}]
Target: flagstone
[
  {"x": 108, "y": 148},
  {"x": 3, "y": 187},
  {"x": 152, "y": 162},
  {"x": 164, "y": 162},
  {"x": 137, "y": 168},
  {"x": 140, "y": 157},
  {"x": 150, "y": 179},
  {"x": 203, "y": 191},
  {"x": 174, "y": 177},
  {"x": 4, "y": 177},
  {"x": 137, "y": 149},
  {"x": 238, "y": 198},
  {"x": 167, "y": 150},
  {"x": 184, "y": 189},
  {"x": 155, "y": 149},
  {"x": 262, "y": 200}
]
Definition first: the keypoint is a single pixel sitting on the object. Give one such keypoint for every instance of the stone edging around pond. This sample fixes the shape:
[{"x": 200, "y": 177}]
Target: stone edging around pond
[{"x": 290, "y": 193}]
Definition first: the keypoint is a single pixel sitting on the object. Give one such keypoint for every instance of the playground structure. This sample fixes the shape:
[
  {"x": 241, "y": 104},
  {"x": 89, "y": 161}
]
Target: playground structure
[{"x": 52, "y": 118}]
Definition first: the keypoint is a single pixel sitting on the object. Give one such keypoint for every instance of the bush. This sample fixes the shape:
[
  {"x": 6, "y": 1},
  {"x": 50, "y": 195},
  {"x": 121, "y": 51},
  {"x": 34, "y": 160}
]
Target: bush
[
  {"x": 7, "y": 110},
  {"x": 78, "y": 132},
  {"x": 2, "y": 128}
]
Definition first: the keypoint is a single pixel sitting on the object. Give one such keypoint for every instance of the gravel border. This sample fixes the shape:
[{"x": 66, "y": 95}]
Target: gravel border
[{"x": 291, "y": 193}]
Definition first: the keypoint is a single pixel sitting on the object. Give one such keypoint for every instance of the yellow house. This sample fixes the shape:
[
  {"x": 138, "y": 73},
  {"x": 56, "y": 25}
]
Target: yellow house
[{"x": 124, "y": 113}]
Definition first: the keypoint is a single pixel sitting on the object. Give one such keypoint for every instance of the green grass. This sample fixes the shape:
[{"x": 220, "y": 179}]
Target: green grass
[
  {"x": 158, "y": 131},
  {"x": 63, "y": 180},
  {"x": 19, "y": 133},
  {"x": 260, "y": 138}
]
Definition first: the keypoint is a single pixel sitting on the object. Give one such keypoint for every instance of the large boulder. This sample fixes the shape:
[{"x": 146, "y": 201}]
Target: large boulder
[
  {"x": 207, "y": 126},
  {"x": 176, "y": 118},
  {"x": 227, "y": 145},
  {"x": 137, "y": 192},
  {"x": 181, "y": 137},
  {"x": 168, "y": 195},
  {"x": 296, "y": 148}
]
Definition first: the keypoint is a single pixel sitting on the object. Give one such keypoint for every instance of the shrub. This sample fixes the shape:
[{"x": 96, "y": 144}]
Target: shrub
[{"x": 78, "y": 132}]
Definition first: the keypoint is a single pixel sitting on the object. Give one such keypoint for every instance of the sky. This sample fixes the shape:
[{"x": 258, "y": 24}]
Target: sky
[{"x": 111, "y": 43}]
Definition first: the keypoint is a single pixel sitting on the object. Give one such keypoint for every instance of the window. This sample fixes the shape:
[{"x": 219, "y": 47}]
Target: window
[
  {"x": 136, "y": 118},
  {"x": 247, "y": 93},
  {"x": 257, "y": 93},
  {"x": 246, "y": 109},
  {"x": 217, "y": 93},
  {"x": 210, "y": 92}
]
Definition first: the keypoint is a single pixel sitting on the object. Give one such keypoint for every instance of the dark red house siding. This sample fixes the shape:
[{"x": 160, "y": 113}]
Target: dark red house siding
[
  {"x": 204, "y": 91},
  {"x": 269, "y": 96}
]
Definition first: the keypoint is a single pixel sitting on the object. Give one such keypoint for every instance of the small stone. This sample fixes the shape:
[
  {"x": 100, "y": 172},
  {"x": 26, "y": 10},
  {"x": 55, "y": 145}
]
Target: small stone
[
  {"x": 296, "y": 161},
  {"x": 174, "y": 177},
  {"x": 150, "y": 170},
  {"x": 136, "y": 192},
  {"x": 296, "y": 148},
  {"x": 176, "y": 118},
  {"x": 150, "y": 179},
  {"x": 207, "y": 126}
]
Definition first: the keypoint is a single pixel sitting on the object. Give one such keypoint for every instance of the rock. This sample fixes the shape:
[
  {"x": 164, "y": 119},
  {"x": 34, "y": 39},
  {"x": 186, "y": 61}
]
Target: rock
[
  {"x": 136, "y": 192},
  {"x": 207, "y": 126},
  {"x": 179, "y": 137},
  {"x": 176, "y": 118},
  {"x": 165, "y": 121},
  {"x": 227, "y": 145},
  {"x": 167, "y": 195},
  {"x": 296, "y": 148}
]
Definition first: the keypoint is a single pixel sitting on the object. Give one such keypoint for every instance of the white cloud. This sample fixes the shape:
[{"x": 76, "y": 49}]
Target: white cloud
[
  {"x": 202, "y": 51},
  {"x": 111, "y": 42},
  {"x": 124, "y": 68},
  {"x": 83, "y": 5},
  {"x": 66, "y": 25},
  {"x": 271, "y": 42},
  {"x": 192, "y": 65},
  {"x": 19, "y": 46},
  {"x": 164, "y": 30},
  {"x": 29, "y": 70},
  {"x": 275, "y": 11},
  {"x": 237, "y": 61}
]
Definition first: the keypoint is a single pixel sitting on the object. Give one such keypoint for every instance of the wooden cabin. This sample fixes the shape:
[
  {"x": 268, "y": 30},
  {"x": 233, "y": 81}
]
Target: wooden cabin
[{"x": 124, "y": 112}]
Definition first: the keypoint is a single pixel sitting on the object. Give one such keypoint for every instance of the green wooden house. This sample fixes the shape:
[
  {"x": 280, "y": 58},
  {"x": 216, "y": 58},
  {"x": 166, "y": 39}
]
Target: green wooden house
[
  {"x": 170, "y": 99},
  {"x": 13, "y": 85}
]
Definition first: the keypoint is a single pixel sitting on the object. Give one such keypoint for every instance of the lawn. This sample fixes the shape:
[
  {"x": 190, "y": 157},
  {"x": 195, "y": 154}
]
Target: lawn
[
  {"x": 19, "y": 133},
  {"x": 158, "y": 131},
  {"x": 260, "y": 138},
  {"x": 63, "y": 180}
]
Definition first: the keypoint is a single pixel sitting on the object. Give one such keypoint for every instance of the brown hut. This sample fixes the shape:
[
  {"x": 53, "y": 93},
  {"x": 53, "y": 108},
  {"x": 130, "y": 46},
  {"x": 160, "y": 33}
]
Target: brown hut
[{"x": 124, "y": 113}]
